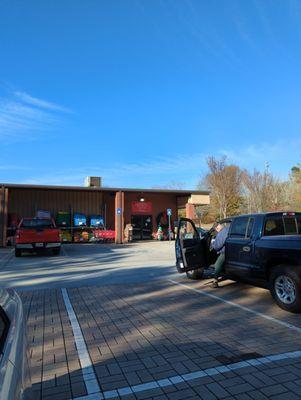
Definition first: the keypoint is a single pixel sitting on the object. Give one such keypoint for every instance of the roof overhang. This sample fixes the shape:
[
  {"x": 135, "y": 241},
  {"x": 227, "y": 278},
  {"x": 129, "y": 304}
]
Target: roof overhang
[{"x": 178, "y": 192}]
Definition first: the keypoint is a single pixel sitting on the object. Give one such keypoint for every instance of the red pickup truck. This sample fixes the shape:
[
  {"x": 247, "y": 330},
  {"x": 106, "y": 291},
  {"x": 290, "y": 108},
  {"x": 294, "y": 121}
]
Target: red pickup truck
[{"x": 37, "y": 234}]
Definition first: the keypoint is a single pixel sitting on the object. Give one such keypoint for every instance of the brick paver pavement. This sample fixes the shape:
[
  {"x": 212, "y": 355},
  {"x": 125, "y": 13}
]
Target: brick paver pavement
[{"x": 136, "y": 334}]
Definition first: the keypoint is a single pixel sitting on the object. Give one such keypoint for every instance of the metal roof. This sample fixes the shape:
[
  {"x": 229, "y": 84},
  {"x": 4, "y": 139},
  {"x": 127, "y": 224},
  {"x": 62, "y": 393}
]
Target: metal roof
[{"x": 104, "y": 189}]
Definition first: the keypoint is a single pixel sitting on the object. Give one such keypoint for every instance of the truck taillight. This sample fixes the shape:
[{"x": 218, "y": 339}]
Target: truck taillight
[{"x": 289, "y": 214}]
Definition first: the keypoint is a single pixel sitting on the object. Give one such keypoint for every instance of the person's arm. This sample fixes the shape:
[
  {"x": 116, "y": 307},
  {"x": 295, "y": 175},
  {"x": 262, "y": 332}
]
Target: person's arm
[{"x": 220, "y": 240}]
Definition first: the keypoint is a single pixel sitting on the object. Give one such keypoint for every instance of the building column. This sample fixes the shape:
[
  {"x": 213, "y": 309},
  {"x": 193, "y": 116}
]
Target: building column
[
  {"x": 119, "y": 217},
  {"x": 190, "y": 211},
  {"x": 3, "y": 215}
]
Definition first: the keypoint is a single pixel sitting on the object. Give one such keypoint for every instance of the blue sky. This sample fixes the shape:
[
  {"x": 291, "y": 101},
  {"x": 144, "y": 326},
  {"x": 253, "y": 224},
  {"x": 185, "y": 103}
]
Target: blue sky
[{"x": 140, "y": 92}]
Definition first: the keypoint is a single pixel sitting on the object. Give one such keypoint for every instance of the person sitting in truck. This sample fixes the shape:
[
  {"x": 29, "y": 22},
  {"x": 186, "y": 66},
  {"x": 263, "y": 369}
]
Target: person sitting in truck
[{"x": 219, "y": 246}]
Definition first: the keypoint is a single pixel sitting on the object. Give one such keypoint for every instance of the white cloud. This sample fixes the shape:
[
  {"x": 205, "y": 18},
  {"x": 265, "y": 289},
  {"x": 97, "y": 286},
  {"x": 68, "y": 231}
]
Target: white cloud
[
  {"x": 159, "y": 170},
  {"x": 184, "y": 168},
  {"x": 280, "y": 155},
  {"x": 23, "y": 117},
  {"x": 26, "y": 98}
]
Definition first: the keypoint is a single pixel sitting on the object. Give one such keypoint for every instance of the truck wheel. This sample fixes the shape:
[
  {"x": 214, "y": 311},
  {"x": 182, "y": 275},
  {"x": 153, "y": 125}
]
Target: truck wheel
[
  {"x": 285, "y": 287},
  {"x": 18, "y": 252},
  {"x": 56, "y": 252},
  {"x": 195, "y": 274}
]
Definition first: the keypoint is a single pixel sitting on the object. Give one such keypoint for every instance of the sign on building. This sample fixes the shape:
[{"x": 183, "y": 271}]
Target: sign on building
[{"x": 142, "y": 207}]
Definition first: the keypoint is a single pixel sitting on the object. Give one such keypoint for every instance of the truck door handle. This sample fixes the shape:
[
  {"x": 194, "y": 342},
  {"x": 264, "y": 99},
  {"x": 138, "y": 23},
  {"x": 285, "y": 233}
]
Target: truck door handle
[{"x": 246, "y": 249}]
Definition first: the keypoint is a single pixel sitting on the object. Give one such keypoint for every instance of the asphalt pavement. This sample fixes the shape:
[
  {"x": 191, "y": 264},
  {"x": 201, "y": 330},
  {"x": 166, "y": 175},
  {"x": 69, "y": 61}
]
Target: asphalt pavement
[{"x": 88, "y": 264}]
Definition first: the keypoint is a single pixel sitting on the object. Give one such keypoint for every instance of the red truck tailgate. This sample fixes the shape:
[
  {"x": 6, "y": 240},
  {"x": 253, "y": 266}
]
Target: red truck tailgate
[
  {"x": 37, "y": 235},
  {"x": 37, "y": 230}
]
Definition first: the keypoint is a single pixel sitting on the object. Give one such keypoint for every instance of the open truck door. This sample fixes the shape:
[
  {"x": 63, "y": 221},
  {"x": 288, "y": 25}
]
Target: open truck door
[{"x": 190, "y": 247}]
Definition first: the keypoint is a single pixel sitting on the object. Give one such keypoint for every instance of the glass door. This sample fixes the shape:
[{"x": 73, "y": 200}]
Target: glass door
[
  {"x": 147, "y": 227},
  {"x": 142, "y": 227},
  {"x": 136, "y": 222}
]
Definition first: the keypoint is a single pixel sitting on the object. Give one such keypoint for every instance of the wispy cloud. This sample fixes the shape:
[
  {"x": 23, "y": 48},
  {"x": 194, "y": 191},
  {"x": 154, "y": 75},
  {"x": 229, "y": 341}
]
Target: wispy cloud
[
  {"x": 280, "y": 155},
  {"x": 33, "y": 101},
  {"x": 186, "y": 169},
  {"x": 159, "y": 170},
  {"x": 23, "y": 116},
  {"x": 195, "y": 22}
]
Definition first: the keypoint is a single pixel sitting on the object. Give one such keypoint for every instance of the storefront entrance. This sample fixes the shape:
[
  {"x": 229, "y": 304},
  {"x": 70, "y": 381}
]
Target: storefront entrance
[{"x": 142, "y": 227}]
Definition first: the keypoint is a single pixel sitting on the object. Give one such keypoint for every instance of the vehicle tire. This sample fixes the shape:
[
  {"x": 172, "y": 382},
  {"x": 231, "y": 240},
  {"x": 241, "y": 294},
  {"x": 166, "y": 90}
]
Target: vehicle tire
[
  {"x": 18, "y": 252},
  {"x": 195, "y": 274},
  {"x": 56, "y": 252},
  {"x": 285, "y": 287}
]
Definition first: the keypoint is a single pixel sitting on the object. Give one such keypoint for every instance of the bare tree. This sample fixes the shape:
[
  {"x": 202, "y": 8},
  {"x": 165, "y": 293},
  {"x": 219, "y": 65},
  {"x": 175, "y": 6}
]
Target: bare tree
[
  {"x": 224, "y": 181},
  {"x": 264, "y": 192},
  {"x": 234, "y": 191},
  {"x": 295, "y": 188}
]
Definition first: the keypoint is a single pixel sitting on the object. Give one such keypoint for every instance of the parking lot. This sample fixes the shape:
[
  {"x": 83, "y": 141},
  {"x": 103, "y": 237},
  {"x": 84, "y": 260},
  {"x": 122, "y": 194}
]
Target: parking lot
[{"x": 118, "y": 322}]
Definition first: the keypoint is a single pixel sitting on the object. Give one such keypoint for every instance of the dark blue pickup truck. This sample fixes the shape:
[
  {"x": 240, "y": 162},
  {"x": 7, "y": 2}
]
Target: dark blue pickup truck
[{"x": 262, "y": 249}]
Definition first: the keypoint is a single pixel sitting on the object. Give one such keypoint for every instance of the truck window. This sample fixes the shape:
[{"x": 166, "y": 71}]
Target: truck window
[
  {"x": 239, "y": 227},
  {"x": 250, "y": 227},
  {"x": 299, "y": 225},
  {"x": 37, "y": 223},
  {"x": 290, "y": 226},
  {"x": 282, "y": 225},
  {"x": 4, "y": 326},
  {"x": 273, "y": 226},
  {"x": 187, "y": 231}
]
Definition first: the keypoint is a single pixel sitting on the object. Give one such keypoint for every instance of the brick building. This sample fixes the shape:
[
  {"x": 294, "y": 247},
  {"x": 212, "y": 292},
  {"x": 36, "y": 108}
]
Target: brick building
[{"x": 143, "y": 208}]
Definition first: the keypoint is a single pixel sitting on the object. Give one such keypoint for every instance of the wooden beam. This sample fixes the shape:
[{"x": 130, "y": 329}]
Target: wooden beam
[{"x": 3, "y": 215}]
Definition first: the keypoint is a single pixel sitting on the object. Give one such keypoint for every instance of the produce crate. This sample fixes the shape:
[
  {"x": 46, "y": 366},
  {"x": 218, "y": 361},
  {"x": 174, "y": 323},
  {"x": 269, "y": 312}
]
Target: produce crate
[
  {"x": 104, "y": 235},
  {"x": 96, "y": 221},
  {"x": 79, "y": 220},
  {"x": 63, "y": 219},
  {"x": 65, "y": 236},
  {"x": 82, "y": 236}
]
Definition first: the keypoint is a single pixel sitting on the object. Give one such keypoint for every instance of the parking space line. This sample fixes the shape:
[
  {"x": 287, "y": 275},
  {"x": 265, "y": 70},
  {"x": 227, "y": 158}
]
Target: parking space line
[
  {"x": 231, "y": 303},
  {"x": 111, "y": 394},
  {"x": 89, "y": 376},
  {"x": 94, "y": 390}
]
